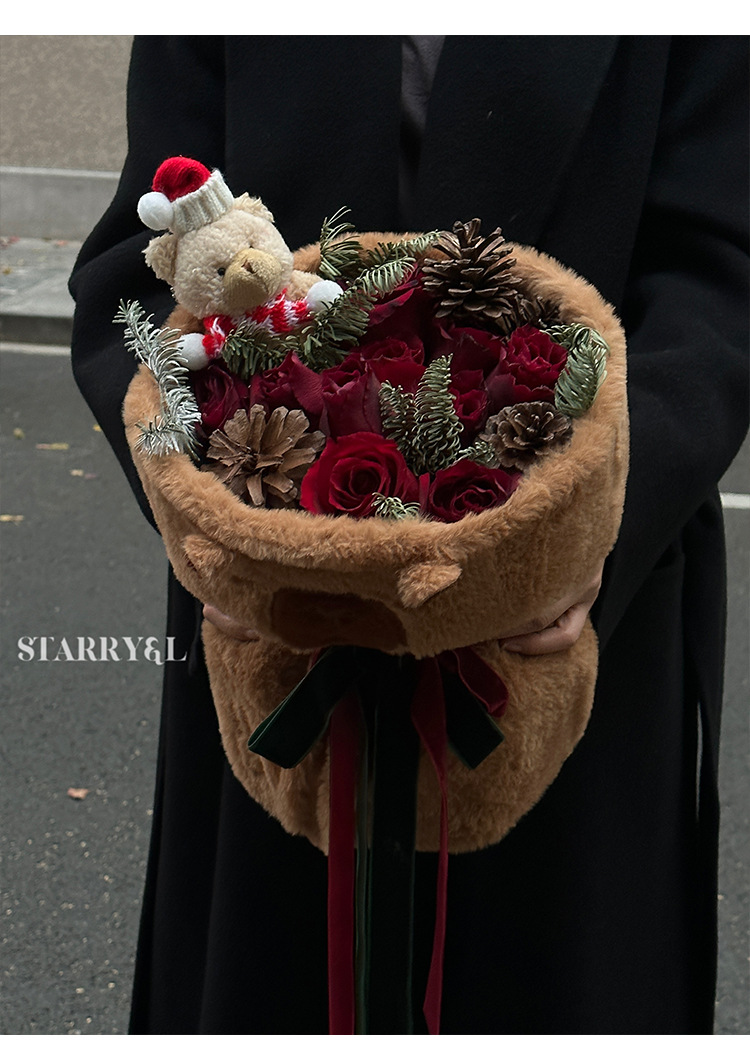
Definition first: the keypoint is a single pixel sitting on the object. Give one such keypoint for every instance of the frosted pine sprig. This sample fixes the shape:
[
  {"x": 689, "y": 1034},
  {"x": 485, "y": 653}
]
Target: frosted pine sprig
[
  {"x": 578, "y": 384},
  {"x": 393, "y": 507},
  {"x": 425, "y": 427},
  {"x": 437, "y": 439},
  {"x": 174, "y": 430}
]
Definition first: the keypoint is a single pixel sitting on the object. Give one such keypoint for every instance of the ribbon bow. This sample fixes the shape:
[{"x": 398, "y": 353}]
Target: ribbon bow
[{"x": 377, "y": 708}]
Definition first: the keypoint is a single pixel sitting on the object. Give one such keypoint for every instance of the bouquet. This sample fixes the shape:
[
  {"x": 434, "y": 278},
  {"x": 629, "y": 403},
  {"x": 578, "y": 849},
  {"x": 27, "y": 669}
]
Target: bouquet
[{"x": 394, "y": 451}]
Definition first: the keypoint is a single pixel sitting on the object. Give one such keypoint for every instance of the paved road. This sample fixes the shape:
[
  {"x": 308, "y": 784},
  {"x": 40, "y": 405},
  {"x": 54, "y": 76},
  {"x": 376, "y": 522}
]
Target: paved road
[{"x": 80, "y": 562}]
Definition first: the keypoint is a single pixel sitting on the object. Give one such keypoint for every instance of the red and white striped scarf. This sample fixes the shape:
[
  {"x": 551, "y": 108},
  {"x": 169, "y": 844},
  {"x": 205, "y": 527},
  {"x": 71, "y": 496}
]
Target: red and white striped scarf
[{"x": 278, "y": 315}]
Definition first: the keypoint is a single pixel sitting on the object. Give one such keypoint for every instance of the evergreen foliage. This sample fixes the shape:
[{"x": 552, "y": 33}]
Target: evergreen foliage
[
  {"x": 324, "y": 342},
  {"x": 437, "y": 440},
  {"x": 250, "y": 348},
  {"x": 174, "y": 431},
  {"x": 393, "y": 508},
  {"x": 397, "y": 416},
  {"x": 339, "y": 253},
  {"x": 425, "y": 425},
  {"x": 481, "y": 452},
  {"x": 586, "y": 368}
]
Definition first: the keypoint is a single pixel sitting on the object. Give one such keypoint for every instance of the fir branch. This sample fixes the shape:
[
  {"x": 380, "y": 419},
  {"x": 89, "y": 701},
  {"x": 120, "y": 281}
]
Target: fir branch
[
  {"x": 425, "y": 427},
  {"x": 575, "y": 336},
  {"x": 386, "y": 252},
  {"x": 397, "y": 417},
  {"x": 578, "y": 384},
  {"x": 394, "y": 508},
  {"x": 481, "y": 452},
  {"x": 174, "y": 431},
  {"x": 340, "y": 325},
  {"x": 335, "y": 329},
  {"x": 382, "y": 278},
  {"x": 340, "y": 255},
  {"x": 250, "y": 348},
  {"x": 437, "y": 439},
  {"x": 160, "y": 437}
]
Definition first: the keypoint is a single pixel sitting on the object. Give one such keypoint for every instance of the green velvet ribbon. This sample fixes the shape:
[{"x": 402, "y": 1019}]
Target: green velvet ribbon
[
  {"x": 291, "y": 731},
  {"x": 386, "y": 801}
]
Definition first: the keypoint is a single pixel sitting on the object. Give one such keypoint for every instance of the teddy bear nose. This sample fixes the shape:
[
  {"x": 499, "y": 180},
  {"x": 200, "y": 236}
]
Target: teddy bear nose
[
  {"x": 251, "y": 279},
  {"x": 248, "y": 264}
]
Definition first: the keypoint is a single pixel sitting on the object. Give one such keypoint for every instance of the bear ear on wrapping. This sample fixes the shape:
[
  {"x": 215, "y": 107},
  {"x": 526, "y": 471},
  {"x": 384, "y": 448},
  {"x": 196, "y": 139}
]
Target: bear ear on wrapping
[
  {"x": 205, "y": 556},
  {"x": 419, "y": 582},
  {"x": 161, "y": 256}
]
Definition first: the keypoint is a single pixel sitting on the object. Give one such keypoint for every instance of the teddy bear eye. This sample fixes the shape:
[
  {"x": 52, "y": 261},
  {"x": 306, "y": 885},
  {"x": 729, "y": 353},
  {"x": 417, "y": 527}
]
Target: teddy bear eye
[{"x": 221, "y": 271}]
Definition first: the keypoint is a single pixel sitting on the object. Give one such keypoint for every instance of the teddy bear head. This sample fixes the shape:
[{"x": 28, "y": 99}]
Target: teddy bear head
[{"x": 221, "y": 255}]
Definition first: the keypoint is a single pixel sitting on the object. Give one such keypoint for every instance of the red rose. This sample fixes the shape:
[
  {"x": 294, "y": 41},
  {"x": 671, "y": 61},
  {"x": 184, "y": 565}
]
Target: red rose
[
  {"x": 399, "y": 361},
  {"x": 219, "y": 395},
  {"x": 467, "y": 487},
  {"x": 388, "y": 303},
  {"x": 471, "y": 349},
  {"x": 470, "y": 400},
  {"x": 292, "y": 385},
  {"x": 351, "y": 470},
  {"x": 532, "y": 364},
  {"x": 405, "y": 313},
  {"x": 350, "y": 398}
]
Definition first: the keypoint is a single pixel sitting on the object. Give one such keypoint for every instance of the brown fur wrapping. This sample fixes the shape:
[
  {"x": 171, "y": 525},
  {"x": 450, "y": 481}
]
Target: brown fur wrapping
[{"x": 309, "y": 581}]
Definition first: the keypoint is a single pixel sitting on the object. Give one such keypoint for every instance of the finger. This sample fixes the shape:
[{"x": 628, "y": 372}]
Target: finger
[
  {"x": 229, "y": 626},
  {"x": 559, "y": 637}
]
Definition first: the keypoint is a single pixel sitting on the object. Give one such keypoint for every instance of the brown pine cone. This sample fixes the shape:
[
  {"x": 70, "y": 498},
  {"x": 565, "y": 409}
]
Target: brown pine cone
[
  {"x": 534, "y": 311},
  {"x": 522, "y": 433},
  {"x": 474, "y": 281},
  {"x": 263, "y": 462}
]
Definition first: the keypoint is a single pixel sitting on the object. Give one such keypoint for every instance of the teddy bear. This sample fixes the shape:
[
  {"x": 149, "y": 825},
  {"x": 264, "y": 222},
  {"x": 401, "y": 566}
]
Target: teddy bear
[{"x": 224, "y": 259}]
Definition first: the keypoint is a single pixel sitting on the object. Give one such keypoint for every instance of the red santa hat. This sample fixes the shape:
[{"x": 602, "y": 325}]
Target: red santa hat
[{"x": 184, "y": 197}]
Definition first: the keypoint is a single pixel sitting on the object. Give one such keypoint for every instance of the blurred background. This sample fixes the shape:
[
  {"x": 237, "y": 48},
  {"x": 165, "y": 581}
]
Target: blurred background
[{"x": 78, "y": 739}]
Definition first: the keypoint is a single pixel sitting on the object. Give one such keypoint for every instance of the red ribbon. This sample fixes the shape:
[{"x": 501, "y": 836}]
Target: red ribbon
[{"x": 428, "y": 717}]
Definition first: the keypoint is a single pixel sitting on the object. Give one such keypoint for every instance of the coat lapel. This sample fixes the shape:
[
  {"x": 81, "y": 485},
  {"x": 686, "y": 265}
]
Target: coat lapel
[{"x": 513, "y": 135}]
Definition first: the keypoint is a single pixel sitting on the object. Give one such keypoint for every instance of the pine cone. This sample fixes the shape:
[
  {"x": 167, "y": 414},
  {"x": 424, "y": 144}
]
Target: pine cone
[
  {"x": 261, "y": 461},
  {"x": 474, "y": 283},
  {"x": 535, "y": 311},
  {"x": 522, "y": 433}
]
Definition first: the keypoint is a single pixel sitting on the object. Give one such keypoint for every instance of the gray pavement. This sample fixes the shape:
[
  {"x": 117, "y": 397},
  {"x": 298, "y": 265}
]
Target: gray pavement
[
  {"x": 79, "y": 561},
  {"x": 35, "y": 306}
]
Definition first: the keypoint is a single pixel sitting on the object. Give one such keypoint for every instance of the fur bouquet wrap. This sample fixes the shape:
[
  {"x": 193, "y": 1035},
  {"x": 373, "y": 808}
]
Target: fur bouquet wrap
[{"x": 411, "y": 587}]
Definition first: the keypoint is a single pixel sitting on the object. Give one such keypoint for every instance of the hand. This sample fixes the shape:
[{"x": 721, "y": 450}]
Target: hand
[
  {"x": 229, "y": 626},
  {"x": 563, "y": 632}
]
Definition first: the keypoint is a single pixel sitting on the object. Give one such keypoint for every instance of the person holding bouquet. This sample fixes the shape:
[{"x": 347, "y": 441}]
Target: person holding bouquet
[{"x": 626, "y": 159}]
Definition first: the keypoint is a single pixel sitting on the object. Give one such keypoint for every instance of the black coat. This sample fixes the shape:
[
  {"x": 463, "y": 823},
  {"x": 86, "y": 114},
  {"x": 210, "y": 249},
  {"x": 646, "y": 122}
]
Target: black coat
[{"x": 627, "y": 160}]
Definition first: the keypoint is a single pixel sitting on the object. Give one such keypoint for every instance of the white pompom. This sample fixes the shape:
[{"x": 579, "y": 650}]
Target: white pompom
[
  {"x": 156, "y": 210},
  {"x": 193, "y": 352},
  {"x": 322, "y": 294}
]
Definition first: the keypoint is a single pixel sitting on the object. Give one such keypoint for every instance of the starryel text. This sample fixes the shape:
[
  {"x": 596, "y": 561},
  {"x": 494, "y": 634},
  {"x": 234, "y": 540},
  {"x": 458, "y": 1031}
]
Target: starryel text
[{"x": 98, "y": 650}]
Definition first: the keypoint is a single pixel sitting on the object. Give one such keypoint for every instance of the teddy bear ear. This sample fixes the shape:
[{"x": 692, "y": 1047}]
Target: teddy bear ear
[
  {"x": 161, "y": 256},
  {"x": 254, "y": 206}
]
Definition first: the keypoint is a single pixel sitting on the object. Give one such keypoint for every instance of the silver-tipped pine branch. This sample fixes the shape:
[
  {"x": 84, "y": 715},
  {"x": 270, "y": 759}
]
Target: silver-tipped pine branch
[
  {"x": 158, "y": 349},
  {"x": 425, "y": 425},
  {"x": 393, "y": 508},
  {"x": 585, "y": 370},
  {"x": 437, "y": 425},
  {"x": 340, "y": 255}
]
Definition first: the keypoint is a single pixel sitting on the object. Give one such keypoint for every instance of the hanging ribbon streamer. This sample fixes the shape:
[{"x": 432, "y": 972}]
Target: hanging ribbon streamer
[{"x": 377, "y": 709}]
